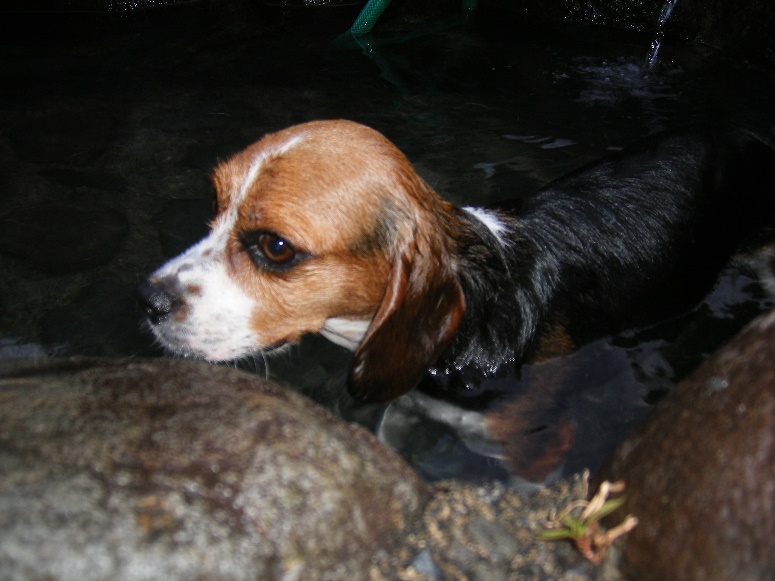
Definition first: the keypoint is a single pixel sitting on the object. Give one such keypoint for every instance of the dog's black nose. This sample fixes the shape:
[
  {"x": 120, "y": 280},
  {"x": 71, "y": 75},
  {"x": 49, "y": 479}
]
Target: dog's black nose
[{"x": 155, "y": 300}]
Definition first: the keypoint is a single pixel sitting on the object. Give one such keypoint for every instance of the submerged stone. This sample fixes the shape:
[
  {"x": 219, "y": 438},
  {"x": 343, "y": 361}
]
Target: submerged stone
[
  {"x": 171, "y": 469},
  {"x": 183, "y": 223},
  {"x": 75, "y": 178},
  {"x": 102, "y": 320},
  {"x": 59, "y": 238},
  {"x": 65, "y": 137}
]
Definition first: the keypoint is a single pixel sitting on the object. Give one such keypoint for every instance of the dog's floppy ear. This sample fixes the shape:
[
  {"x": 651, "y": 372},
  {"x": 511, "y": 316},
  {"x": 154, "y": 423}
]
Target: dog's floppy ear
[{"x": 417, "y": 318}]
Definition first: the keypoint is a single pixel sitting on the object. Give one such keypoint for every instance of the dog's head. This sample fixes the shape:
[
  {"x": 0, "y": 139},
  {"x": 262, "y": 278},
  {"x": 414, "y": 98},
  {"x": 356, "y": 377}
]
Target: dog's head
[{"x": 323, "y": 228}]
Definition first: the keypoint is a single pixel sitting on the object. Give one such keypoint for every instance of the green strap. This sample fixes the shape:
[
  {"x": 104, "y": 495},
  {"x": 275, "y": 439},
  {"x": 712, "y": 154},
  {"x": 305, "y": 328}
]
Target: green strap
[
  {"x": 369, "y": 16},
  {"x": 374, "y": 9}
]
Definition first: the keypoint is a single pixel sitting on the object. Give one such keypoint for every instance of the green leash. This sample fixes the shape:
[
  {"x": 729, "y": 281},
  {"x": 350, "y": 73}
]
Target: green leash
[{"x": 374, "y": 9}]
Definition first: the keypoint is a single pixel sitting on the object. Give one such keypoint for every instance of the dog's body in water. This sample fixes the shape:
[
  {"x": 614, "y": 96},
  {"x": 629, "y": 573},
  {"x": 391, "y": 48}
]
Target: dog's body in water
[{"x": 326, "y": 228}]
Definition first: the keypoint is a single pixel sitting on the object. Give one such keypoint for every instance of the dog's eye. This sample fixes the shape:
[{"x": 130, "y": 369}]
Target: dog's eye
[
  {"x": 277, "y": 250},
  {"x": 271, "y": 252}
]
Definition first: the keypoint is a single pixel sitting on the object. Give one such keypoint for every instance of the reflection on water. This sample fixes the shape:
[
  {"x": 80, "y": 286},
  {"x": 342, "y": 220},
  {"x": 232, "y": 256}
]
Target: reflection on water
[
  {"x": 652, "y": 57},
  {"x": 609, "y": 81},
  {"x": 133, "y": 117}
]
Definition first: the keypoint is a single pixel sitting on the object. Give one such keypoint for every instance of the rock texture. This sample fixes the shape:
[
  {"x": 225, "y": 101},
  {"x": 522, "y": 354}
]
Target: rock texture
[
  {"x": 700, "y": 472},
  {"x": 168, "y": 469}
]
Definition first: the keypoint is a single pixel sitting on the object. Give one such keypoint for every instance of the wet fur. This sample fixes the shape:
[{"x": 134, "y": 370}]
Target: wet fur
[{"x": 636, "y": 237}]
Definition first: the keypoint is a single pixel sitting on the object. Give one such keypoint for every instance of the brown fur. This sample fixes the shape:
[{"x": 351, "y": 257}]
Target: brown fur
[{"x": 375, "y": 234}]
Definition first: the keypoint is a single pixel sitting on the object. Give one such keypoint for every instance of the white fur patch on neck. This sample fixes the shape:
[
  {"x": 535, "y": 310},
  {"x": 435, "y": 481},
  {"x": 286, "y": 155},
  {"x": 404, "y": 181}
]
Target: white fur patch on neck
[
  {"x": 345, "y": 332},
  {"x": 489, "y": 219}
]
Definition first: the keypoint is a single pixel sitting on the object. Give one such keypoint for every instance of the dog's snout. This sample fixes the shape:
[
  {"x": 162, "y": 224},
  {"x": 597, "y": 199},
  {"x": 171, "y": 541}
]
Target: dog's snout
[{"x": 157, "y": 301}]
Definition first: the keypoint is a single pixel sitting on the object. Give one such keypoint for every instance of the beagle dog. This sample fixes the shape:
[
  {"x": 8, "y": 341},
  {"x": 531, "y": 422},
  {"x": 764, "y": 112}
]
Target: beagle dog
[{"x": 325, "y": 228}]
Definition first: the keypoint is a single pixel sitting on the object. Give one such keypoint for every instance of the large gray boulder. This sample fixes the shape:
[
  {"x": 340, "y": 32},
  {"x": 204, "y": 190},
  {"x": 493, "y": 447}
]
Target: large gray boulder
[{"x": 171, "y": 469}]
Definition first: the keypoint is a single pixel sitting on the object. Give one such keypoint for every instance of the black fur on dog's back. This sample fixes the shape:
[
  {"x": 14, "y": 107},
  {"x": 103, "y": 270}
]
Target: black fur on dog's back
[
  {"x": 642, "y": 232},
  {"x": 622, "y": 242}
]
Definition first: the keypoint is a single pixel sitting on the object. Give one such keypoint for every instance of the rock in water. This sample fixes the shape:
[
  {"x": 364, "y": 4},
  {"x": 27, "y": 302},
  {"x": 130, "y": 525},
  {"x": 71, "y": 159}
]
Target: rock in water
[
  {"x": 170, "y": 469},
  {"x": 700, "y": 472},
  {"x": 59, "y": 238}
]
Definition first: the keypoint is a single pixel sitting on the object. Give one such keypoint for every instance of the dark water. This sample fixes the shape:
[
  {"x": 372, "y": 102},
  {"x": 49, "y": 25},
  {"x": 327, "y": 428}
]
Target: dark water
[{"x": 104, "y": 120}]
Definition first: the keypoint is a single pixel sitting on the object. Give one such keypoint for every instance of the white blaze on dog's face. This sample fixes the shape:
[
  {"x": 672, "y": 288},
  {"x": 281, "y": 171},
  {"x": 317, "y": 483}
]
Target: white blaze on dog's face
[{"x": 322, "y": 228}]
